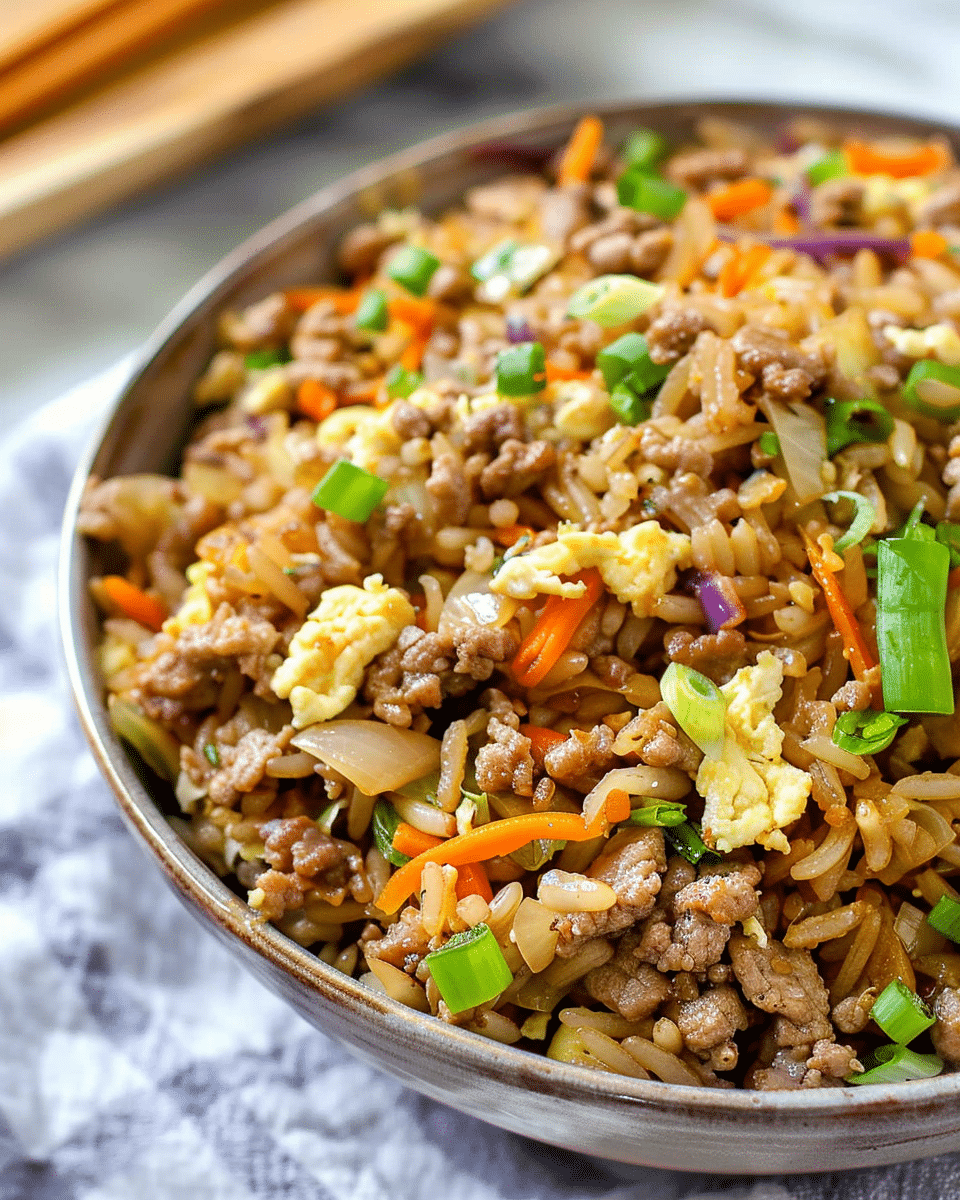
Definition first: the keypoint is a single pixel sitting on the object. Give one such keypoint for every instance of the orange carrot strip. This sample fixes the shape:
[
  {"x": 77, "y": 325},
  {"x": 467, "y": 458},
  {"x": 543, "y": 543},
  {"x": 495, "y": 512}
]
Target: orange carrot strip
[
  {"x": 344, "y": 301},
  {"x": 926, "y": 243},
  {"x": 855, "y": 649},
  {"x": 412, "y": 357},
  {"x": 472, "y": 881},
  {"x": 581, "y": 152},
  {"x": 865, "y": 160},
  {"x": 419, "y": 313},
  {"x": 133, "y": 602},
  {"x": 315, "y": 400},
  {"x": 410, "y": 841},
  {"x": 739, "y": 198},
  {"x": 550, "y": 636},
  {"x": 617, "y": 806},
  {"x": 786, "y": 222},
  {"x": 740, "y": 269},
  {"x": 493, "y": 841},
  {"x": 366, "y": 393},
  {"x": 557, "y": 374},
  {"x": 541, "y": 740},
  {"x": 509, "y": 535}
]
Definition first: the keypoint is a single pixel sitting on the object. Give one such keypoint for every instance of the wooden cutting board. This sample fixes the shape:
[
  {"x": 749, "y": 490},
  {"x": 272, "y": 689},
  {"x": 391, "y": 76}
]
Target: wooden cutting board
[{"x": 225, "y": 87}]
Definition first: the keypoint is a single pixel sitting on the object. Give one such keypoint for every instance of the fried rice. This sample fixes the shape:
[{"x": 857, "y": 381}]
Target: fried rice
[{"x": 516, "y": 635}]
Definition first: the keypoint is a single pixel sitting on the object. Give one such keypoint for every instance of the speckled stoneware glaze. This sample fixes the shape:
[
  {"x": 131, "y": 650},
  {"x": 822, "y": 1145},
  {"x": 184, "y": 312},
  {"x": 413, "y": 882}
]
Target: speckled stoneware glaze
[{"x": 630, "y": 1120}]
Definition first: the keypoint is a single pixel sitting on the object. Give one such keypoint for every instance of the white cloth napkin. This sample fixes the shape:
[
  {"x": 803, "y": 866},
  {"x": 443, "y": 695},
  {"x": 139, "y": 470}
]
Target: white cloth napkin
[{"x": 138, "y": 1061}]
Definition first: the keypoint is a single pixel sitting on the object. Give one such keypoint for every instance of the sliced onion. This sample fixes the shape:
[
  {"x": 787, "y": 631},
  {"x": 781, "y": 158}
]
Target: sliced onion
[
  {"x": 660, "y": 783},
  {"x": 374, "y": 757},
  {"x": 470, "y": 602},
  {"x": 864, "y": 515},
  {"x": 803, "y": 444},
  {"x": 534, "y": 935},
  {"x": 519, "y": 330}
]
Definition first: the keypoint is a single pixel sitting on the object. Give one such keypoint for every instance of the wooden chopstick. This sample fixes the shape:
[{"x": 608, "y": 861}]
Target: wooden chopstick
[{"x": 86, "y": 51}]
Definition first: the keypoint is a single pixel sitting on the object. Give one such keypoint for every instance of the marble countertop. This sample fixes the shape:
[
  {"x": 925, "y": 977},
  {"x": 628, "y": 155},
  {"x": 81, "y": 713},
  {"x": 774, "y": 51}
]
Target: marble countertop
[{"x": 75, "y": 304}]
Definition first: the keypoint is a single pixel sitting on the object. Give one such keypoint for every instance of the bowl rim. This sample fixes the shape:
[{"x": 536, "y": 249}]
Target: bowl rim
[{"x": 200, "y": 885}]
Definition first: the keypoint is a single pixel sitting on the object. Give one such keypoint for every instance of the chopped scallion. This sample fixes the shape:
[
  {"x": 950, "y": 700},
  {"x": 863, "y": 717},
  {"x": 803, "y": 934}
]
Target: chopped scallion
[
  {"x": 521, "y": 370},
  {"x": 643, "y": 192},
  {"x": 864, "y": 515},
  {"x": 949, "y": 534},
  {"x": 211, "y": 754},
  {"x": 933, "y": 389},
  {"x": 611, "y": 300},
  {"x": 769, "y": 444},
  {"x": 698, "y": 706},
  {"x": 662, "y": 813},
  {"x": 401, "y": 383},
  {"x": 629, "y": 356},
  {"x": 866, "y": 732},
  {"x": 259, "y": 360},
  {"x": 832, "y": 166},
  {"x": 850, "y": 421},
  {"x": 496, "y": 261},
  {"x": 384, "y": 825},
  {"x": 900, "y": 1013},
  {"x": 372, "y": 311},
  {"x": 329, "y": 815},
  {"x": 897, "y": 1064},
  {"x": 644, "y": 148},
  {"x": 469, "y": 969},
  {"x": 413, "y": 268},
  {"x": 630, "y": 408},
  {"x": 688, "y": 842},
  {"x": 350, "y": 491},
  {"x": 945, "y": 918}
]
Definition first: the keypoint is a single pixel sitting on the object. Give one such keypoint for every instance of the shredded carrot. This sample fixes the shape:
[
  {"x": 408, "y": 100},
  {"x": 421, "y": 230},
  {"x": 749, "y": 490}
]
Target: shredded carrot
[
  {"x": 344, "y": 300},
  {"x": 541, "y": 648},
  {"x": 410, "y": 841},
  {"x": 133, "y": 602},
  {"x": 953, "y": 579},
  {"x": 855, "y": 649},
  {"x": 580, "y": 154},
  {"x": 472, "y": 881},
  {"x": 741, "y": 268},
  {"x": 739, "y": 198},
  {"x": 865, "y": 160},
  {"x": 509, "y": 535},
  {"x": 499, "y": 838},
  {"x": 926, "y": 243},
  {"x": 541, "y": 740},
  {"x": 412, "y": 357},
  {"x": 419, "y": 313},
  {"x": 557, "y": 374},
  {"x": 786, "y": 222},
  {"x": 315, "y": 400}
]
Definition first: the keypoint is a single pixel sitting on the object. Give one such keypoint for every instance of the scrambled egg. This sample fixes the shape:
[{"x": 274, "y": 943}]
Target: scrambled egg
[
  {"x": 339, "y": 639},
  {"x": 584, "y": 411},
  {"x": 750, "y": 792},
  {"x": 884, "y": 196},
  {"x": 360, "y": 433},
  {"x": 936, "y": 341},
  {"x": 639, "y": 565},
  {"x": 195, "y": 607}
]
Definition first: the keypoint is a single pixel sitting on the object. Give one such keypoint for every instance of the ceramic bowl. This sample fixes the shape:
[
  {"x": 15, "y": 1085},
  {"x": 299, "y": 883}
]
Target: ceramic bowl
[{"x": 629, "y": 1120}]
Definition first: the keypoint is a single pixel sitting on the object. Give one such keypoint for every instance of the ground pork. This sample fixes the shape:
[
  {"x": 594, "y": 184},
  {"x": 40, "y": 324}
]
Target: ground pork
[
  {"x": 282, "y": 892},
  {"x": 360, "y": 250},
  {"x": 515, "y": 468},
  {"x": 564, "y": 210},
  {"x": 672, "y": 333},
  {"x": 726, "y": 893},
  {"x": 627, "y": 984},
  {"x": 267, "y": 323},
  {"x": 631, "y": 864},
  {"x": 943, "y": 206},
  {"x": 698, "y": 168},
  {"x": 825, "y": 1064},
  {"x": 403, "y": 945},
  {"x": 783, "y": 981},
  {"x": 717, "y": 655},
  {"x": 851, "y": 1014},
  {"x": 298, "y": 844},
  {"x": 242, "y": 765},
  {"x": 946, "y": 1032},
  {"x": 712, "y": 1019},
  {"x": 449, "y": 489},
  {"x": 409, "y": 421},
  {"x": 486, "y": 431},
  {"x": 582, "y": 754},
  {"x": 784, "y": 370},
  {"x": 505, "y": 763},
  {"x": 654, "y": 737}
]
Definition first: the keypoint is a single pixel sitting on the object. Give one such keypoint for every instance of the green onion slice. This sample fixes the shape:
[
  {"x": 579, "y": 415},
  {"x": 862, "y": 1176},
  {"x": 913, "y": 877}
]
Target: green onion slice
[
  {"x": 402, "y": 383},
  {"x": 698, "y": 706},
  {"x": 769, "y": 444},
  {"x": 521, "y": 370},
  {"x": 469, "y": 969},
  {"x": 630, "y": 408},
  {"x": 832, "y": 166},
  {"x": 211, "y": 754},
  {"x": 866, "y": 732},
  {"x": 897, "y": 1064},
  {"x": 644, "y": 148},
  {"x": 643, "y": 192},
  {"x": 611, "y": 300},
  {"x": 413, "y": 268},
  {"x": 329, "y": 815},
  {"x": 372, "y": 311},
  {"x": 350, "y": 491},
  {"x": 948, "y": 533},
  {"x": 629, "y": 356},
  {"x": 864, "y": 515},
  {"x": 384, "y": 825},
  {"x": 259, "y": 360},
  {"x": 850, "y": 421},
  {"x": 945, "y": 918},
  {"x": 688, "y": 842},
  {"x": 158, "y": 748},
  {"x": 900, "y": 1013},
  {"x": 496, "y": 261},
  {"x": 933, "y": 389},
  {"x": 662, "y": 813}
]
